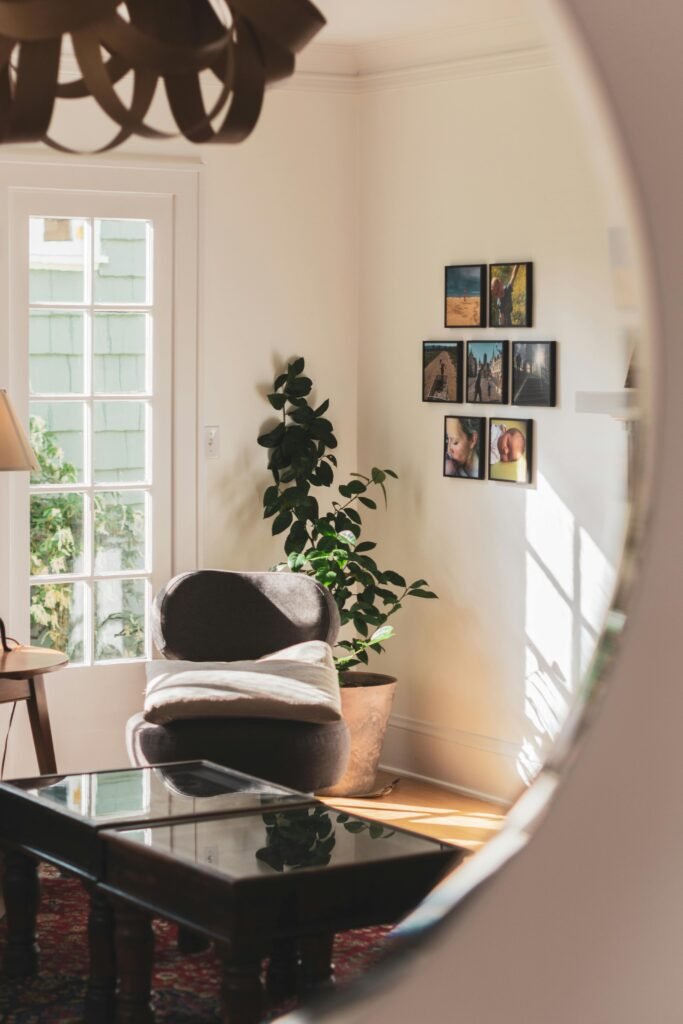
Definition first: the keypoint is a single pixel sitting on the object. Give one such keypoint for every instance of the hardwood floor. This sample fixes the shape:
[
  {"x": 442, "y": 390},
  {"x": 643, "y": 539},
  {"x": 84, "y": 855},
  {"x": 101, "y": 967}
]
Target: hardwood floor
[{"x": 428, "y": 810}]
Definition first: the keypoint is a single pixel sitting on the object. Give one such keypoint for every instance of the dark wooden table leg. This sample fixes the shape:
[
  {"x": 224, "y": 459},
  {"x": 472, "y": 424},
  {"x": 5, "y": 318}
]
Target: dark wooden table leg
[
  {"x": 316, "y": 970},
  {"x": 283, "y": 970},
  {"x": 134, "y": 945},
  {"x": 100, "y": 997},
  {"x": 40, "y": 727},
  {"x": 242, "y": 999},
  {"x": 190, "y": 942},
  {"x": 22, "y": 896}
]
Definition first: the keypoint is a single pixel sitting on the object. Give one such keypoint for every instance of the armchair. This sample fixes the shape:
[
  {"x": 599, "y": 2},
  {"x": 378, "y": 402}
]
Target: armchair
[{"x": 219, "y": 616}]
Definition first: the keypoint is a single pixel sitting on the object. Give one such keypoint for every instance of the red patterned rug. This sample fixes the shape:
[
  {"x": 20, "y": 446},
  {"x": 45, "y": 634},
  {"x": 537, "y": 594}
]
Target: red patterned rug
[{"x": 186, "y": 989}]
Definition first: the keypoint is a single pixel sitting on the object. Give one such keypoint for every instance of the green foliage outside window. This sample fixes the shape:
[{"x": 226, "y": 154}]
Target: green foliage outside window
[{"x": 56, "y": 526}]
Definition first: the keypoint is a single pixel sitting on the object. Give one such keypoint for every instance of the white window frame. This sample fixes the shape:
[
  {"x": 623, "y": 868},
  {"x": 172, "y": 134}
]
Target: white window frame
[{"x": 168, "y": 195}]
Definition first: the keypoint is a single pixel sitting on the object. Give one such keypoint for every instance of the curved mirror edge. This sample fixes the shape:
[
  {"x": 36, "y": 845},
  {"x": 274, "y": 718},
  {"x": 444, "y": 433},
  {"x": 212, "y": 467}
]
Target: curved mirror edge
[{"x": 413, "y": 937}]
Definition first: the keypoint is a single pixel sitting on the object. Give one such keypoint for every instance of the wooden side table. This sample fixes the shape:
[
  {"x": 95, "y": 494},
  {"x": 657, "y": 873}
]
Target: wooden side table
[{"x": 21, "y": 678}]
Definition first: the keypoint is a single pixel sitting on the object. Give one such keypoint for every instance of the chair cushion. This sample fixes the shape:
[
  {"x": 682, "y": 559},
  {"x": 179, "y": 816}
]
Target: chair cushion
[
  {"x": 299, "y": 683},
  {"x": 302, "y": 755}
]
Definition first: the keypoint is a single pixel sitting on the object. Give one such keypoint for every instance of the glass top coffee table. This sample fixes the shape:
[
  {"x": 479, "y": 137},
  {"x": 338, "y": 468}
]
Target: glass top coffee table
[
  {"x": 278, "y": 883},
  {"x": 61, "y": 818},
  {"x": 260, "y": 870}
]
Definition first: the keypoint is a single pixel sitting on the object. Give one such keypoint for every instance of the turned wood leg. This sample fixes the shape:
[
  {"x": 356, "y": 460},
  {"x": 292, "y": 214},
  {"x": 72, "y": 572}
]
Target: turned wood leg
[
  {"x": 22, "y": 896},
  {"x": 100, "y": 997},
  {"x": 134, "y": 947},
  {"x": 283, "y": 969},
  {"x": 40, "y": 727},
  {"x": 316, "y": 969},
  {"x": 241, "y": 990},
  {"x": 190, "y": 942}
]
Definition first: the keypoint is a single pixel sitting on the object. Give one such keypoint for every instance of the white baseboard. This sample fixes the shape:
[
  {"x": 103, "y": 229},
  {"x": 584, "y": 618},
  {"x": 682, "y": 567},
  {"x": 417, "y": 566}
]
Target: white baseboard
[
  {"x": 477, "y": 794},
  {"x": 486, "y": 767}
]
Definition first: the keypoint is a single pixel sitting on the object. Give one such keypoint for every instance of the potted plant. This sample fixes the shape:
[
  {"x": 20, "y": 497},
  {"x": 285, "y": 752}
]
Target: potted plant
[{"x": 329, "y": 546}]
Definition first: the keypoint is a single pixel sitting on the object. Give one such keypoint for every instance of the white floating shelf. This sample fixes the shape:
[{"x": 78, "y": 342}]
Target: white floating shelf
[{"x": 623, "y": 405}]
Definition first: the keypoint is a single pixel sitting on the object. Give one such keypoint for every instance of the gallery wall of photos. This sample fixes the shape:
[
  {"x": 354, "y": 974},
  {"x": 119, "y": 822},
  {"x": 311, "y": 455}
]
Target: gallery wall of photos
[{"x": 489, "y": 371}]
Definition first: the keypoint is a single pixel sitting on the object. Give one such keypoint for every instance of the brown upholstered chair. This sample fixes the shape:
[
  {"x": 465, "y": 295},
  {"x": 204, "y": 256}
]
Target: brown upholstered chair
[{"x": 212, "y": 615}]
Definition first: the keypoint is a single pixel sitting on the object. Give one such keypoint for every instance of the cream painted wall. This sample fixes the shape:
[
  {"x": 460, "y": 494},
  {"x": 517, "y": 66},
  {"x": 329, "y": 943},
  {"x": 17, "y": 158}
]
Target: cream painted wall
[{"x": 484, "y": 169}]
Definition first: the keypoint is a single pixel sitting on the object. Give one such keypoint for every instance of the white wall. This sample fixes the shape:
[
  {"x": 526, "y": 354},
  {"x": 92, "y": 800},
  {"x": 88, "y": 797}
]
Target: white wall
[{"x": 489, "y": 168}]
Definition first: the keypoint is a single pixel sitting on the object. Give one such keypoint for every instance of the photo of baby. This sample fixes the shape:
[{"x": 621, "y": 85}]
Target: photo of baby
[
  {"x": 464, "y": 447},
  {"x": 510, "y": 444}
]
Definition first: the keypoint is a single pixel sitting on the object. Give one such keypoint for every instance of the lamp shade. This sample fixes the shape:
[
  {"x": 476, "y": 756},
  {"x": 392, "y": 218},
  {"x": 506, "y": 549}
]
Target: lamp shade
[{"x": 15, "y": 450}]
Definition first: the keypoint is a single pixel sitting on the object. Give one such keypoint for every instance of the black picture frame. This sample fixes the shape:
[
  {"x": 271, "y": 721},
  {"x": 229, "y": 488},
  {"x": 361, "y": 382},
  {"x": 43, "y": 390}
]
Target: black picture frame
[
  {"x": 442, "y": 368},
  {"x": 510, "y": 461},
  {"x": 459, "y": 438},
  {"x": 534, "y": 373},
  {"x": 464, "y": 284},
  {"x": 487, "y": 373},
  {"x": 511, "y": 294}
]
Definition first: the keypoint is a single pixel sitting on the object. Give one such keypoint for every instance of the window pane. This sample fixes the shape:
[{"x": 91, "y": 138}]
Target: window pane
[
  {"x": 56, "y": 432},
  {"x": 120, "y": 619},
  {"x": 119, "y": 442},
  {"x": 56, "y": 533},
  {"x": 57, "y": 247},
  {"x": 121, "y": 273},
  {"x": 56, "y": 349},
  {"x": 119, "y": 530},
  {"x": 120, "y": 342},
  {"x": 57, "y": 617}
]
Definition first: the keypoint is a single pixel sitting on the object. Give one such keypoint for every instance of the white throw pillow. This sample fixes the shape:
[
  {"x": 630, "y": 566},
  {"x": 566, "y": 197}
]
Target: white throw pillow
[{"x": 298, "y": 682}]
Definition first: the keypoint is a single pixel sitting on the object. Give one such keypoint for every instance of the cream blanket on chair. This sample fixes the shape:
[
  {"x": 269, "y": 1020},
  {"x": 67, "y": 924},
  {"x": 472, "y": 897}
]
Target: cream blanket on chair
[{"x": 298, "y": 682}]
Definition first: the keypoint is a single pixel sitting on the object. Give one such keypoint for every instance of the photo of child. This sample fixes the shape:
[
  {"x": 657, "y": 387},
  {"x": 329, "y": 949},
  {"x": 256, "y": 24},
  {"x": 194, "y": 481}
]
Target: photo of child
[
  {"x": 510, "y": 450},
  {"x": 510, "y": 294},
  {"x": 464, "y": 446}
]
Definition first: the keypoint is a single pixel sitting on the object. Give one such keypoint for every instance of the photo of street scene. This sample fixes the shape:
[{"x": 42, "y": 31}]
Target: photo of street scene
[
  {"x": 466, "y": 296},
  {"x": 442, "y": 371},
  {"x": 487, "y": 371},
  {"x": 533, "y": 372}
]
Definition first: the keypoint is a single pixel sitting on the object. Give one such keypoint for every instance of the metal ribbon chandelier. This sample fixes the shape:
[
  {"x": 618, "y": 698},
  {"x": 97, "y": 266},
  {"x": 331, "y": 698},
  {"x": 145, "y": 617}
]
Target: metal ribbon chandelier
[{"x": 170, "y": 40}]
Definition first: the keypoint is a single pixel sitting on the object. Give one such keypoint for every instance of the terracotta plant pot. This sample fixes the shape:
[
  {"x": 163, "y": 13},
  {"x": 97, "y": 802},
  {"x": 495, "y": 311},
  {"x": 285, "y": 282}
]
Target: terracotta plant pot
[{"x": 366, "y": 699}]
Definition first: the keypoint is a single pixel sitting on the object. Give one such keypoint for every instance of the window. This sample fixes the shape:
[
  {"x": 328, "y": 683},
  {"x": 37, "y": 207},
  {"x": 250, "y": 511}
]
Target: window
[{"x": 92, "y": 413}]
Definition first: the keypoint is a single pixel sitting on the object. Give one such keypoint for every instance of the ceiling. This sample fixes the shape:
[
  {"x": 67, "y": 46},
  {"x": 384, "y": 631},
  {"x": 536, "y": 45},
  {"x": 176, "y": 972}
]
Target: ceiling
[{"x": 362, "y": 21}]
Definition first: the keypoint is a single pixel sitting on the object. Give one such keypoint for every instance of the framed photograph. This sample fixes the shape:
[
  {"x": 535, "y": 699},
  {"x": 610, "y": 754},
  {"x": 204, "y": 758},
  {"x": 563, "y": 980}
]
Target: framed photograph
[
  {"x": 466, "y": 296},
  {"x": 511, "y": 450},
  {"x": 510, "y": 294},
  {"x": 533, "y": 372},
  {"x": 464, "y": 447},
  {"x": 487, "y": 372},
  {"x": 442, "y": 371}
]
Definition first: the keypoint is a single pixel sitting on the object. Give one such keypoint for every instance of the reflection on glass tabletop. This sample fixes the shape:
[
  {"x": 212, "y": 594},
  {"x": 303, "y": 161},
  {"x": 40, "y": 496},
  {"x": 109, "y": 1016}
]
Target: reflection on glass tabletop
[
  {"x": 244, "y": 846},
  {"x": 175, "y": 790}
]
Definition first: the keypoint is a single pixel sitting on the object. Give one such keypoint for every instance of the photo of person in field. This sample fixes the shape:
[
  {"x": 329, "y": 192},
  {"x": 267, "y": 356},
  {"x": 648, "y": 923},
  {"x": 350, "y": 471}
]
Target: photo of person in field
[
  {"x": 466, "y": 296},
  {"x": 510, "y": 295},
  {"x": 441, "y": 371}
]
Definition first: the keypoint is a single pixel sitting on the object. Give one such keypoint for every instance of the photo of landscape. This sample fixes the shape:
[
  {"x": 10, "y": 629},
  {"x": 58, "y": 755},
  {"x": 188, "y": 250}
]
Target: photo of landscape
[{"x": 466, "y": 296}]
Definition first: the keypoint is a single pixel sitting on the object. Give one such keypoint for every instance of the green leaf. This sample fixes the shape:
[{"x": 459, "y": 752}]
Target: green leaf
[
  {"x": 322, "y": 409},
  {"x": 300, "y": 387},
  {"x": 367, "y": 545},
  {"x": 341, "y": 818},
  {"x": 368, "y": 502},
  {"x": 296, "y": 367},
  {"x": 376, "y": 830},
  {"x": 279, "y": 381},
  {"x": 277, "y": 401},
  {"x": 421, "y": 593},
  {"x": 356, "y": 487},
  {"x": 355, "y": 826},
  {"x": 360, "y": 626},
  {"x": 378, "y": 476},
  {"x": 419, "y": 583},
  {"x": 382, "y": 634},
  {"x": 282, "y": 521},
  {"x": 390, "y": 472},
  {"x": 272, "y": 437},
  {"x": 271, "y": 494},
  {"x": 325, "y": 474},
  {"x": 393, "y": 577}
]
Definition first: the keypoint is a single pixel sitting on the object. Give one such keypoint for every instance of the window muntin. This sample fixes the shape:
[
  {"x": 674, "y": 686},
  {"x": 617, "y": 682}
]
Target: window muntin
[{"x": 91, "y": 328}]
